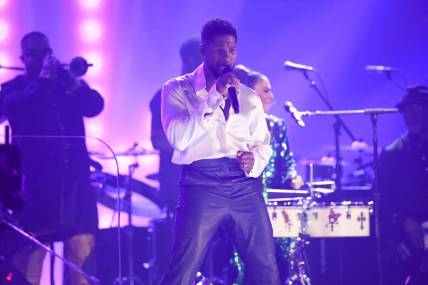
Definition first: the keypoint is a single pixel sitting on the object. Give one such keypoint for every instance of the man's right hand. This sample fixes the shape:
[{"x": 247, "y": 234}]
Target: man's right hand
[
  {"x": 50, "y": 67},
  {"x": 53, "y": 69},
  {"x": 225, "y": 81}
]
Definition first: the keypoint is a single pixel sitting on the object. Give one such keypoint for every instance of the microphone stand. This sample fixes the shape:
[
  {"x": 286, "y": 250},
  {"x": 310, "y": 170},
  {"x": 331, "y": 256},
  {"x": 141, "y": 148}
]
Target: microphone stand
[
  {"x": 51, "y": 252},
  {"x": 374, "y": 116},
  {"x": 5, "y": 211},
  {"x": 395, "y": 83},
  {"x": 337, "y": 130}
]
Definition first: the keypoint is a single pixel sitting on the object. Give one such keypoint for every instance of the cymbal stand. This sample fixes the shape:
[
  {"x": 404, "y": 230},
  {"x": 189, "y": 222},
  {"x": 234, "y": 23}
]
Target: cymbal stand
[
  {"x": 297, "y": 264},
  {"x": 131, "y": 279},
  {"x": 48, "y": 250},
  {"x": 338, "y": 125},
  {"x": 297, "y": 254}
]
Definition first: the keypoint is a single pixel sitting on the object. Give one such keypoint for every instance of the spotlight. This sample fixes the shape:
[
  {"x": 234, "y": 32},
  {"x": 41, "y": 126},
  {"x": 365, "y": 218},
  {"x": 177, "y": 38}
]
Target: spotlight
[
  {"x": 96, "y": 59},
  {"x": 3, "y": 30},
  {"x": 95, "y": 129},
  {"x": 2, "y": 3},
  {"x": 90, "y": 4},
  {"x": 90, "y": 30}
]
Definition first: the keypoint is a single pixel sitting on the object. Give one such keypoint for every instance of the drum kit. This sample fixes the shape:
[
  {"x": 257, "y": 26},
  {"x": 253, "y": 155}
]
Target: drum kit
[{"x": 303, "y": 215}]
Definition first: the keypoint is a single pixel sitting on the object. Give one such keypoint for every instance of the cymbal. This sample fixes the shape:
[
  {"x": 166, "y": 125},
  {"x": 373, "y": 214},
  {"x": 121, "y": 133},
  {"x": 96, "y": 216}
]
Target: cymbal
[
  {"x": 131, "y": 152},
  {"x": 96, "y": 153},
  {"x": 360, "y": 147},
  {"x": 324, "y": 160},
  {"x": 136, "y": 152}
]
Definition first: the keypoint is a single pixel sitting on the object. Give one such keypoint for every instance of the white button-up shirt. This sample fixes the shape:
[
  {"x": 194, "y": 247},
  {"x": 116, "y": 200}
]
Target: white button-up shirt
[{"x": 196, "y": 127}]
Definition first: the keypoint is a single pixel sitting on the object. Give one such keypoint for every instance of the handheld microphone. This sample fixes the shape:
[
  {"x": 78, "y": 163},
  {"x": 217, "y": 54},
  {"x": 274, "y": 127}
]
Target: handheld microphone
[
  {"x": 232, "y": 93},
  {"x": 289, "y": 107},
  {"x": 289, "y": 65}
]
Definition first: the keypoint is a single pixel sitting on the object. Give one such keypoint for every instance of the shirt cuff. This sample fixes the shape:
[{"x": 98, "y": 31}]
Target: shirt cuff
[{"x": 255, "y": 171}]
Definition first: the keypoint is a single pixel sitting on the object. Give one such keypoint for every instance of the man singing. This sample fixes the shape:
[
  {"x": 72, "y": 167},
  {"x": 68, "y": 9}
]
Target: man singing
[{"x": 223, "y": 151}]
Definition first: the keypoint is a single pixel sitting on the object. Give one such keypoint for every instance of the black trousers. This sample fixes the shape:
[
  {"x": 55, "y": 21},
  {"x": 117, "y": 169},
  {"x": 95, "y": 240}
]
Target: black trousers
[{"x": 214, "y": 192}]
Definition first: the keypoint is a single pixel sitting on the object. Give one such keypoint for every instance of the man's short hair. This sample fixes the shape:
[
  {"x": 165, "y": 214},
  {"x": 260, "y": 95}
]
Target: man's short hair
[
  {"x": 34, "y": 34},
  {"x": 217, "y": 27}
]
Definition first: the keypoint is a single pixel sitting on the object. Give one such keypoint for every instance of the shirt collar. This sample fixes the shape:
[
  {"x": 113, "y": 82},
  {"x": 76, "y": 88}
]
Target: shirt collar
[{"x": 198, "y": 78}]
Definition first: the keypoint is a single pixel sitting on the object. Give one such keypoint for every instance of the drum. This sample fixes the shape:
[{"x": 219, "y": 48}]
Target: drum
[
  {"x": 145, "y": 203},
  {"x": 347, "y": 219},
  {"x": 285, "y": 219}
]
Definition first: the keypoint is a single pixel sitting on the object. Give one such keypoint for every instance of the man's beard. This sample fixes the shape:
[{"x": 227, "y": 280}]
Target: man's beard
[{"x": 218, "y": 70}]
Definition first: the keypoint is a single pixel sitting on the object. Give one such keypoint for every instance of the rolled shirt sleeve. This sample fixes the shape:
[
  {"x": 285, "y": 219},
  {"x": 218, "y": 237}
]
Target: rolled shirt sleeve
[{"x": 181, "y": 126}]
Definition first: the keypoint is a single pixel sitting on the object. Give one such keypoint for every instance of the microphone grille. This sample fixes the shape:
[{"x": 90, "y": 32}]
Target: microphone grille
[{"x": 288, "y": 105}]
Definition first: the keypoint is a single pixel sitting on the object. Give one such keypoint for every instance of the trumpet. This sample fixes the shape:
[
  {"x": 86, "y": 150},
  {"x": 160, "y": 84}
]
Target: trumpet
[{"x": 78, "y": 66}]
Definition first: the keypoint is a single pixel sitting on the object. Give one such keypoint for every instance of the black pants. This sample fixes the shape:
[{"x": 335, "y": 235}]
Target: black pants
[{"x": 213, "y": 192}]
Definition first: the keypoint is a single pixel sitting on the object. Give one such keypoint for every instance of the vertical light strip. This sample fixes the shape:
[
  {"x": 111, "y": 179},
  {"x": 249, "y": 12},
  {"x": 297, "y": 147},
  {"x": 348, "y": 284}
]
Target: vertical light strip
[
  {"x": 91, "y": 38},
  {"x": 4, "y": 39}
]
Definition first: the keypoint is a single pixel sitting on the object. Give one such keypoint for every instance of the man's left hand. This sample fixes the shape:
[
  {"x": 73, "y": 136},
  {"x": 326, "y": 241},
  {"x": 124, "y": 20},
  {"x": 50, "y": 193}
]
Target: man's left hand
[{"x": 246, "y": 160}]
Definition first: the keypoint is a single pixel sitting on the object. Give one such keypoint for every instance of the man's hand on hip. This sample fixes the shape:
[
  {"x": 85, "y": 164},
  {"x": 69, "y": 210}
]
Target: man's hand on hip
[{"x": 246, "y": 160}]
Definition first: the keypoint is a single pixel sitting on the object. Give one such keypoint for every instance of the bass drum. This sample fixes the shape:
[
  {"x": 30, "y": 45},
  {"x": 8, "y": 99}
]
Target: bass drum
[{"x": 145, "y": 203}]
